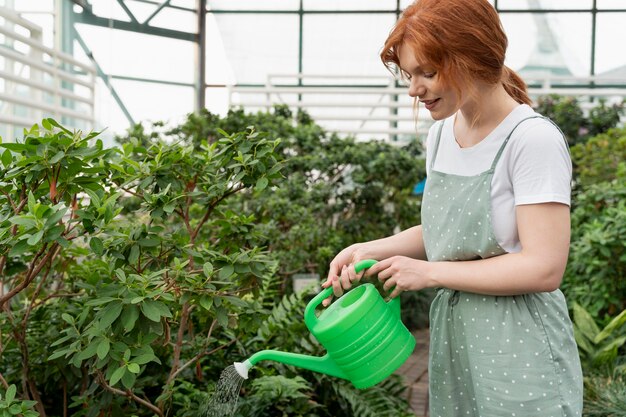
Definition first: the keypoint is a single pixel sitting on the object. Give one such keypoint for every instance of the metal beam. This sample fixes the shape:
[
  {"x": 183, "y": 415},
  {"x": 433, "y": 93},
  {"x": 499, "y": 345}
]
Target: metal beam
[{"x": 89, "y": 18}]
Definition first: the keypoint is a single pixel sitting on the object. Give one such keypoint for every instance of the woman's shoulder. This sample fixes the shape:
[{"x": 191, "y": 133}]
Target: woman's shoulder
[{"x": 533, "y": 129}]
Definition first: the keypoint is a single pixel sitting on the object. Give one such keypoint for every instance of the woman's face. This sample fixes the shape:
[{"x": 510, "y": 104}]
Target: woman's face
[{"x": 440, "y": 100}]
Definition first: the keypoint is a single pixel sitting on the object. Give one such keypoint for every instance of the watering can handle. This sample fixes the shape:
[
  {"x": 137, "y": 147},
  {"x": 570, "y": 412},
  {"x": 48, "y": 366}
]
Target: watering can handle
[{"x": 309, "y": 313}]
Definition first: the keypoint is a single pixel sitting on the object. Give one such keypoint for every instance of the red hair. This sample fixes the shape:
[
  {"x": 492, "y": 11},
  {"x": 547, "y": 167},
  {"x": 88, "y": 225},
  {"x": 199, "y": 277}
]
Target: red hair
[{"x": 462, "y": 39}]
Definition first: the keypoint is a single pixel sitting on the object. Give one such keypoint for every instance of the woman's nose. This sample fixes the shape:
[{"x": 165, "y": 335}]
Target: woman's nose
[{"x": 416, "y": 88}]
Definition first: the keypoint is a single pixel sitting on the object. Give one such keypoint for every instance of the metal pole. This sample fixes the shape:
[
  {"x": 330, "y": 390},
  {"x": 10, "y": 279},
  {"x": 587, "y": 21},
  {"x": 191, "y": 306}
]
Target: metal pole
[{"x": 201, "y": 57}]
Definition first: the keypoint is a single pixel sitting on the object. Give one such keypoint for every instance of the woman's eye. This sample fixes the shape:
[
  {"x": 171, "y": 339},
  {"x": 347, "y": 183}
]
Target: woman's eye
[{"x": 429, "y": 74}]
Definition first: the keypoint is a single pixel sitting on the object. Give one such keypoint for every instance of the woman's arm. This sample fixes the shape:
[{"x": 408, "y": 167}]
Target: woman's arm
[{"x": 544, "y": 233}]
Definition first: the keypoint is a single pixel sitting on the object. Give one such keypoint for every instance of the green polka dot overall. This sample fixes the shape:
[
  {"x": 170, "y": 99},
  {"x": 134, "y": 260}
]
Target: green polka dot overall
[{"x": 491, "y": 356}]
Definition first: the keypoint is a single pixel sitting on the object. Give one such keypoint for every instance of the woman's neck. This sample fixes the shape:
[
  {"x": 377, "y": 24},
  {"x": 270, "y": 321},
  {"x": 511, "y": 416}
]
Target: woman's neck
[{"x": 476, "y": 119}]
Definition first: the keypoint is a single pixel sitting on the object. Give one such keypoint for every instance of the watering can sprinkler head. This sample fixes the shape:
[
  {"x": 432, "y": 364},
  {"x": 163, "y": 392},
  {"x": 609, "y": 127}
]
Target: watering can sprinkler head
[
  {"x": 242, "y": 368},
  {"x": 363, "y": 335}
]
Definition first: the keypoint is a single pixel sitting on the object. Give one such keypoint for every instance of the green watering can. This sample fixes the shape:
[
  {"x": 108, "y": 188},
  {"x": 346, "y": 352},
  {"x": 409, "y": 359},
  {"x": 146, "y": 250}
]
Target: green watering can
[{"x": 364, "y": 337}]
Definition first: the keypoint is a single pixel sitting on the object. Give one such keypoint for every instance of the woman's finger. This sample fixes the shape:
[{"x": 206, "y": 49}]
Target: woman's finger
[
  {"x": 346, "y": 282},
  {"x": 337, "y": 290},
  {"x": 327, "y": 301},
  {"x": 389, "y": 284},
  {"x": 396, "y": 292}
]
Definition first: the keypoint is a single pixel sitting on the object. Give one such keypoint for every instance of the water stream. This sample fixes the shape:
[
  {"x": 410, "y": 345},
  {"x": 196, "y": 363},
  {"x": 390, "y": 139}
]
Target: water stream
[{"x": 223, "y": 403}]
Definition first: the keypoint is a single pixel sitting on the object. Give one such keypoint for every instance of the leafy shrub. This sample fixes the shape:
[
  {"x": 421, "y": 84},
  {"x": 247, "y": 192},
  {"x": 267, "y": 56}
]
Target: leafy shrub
[
  {"x": 131, "y": 277},
  {"x": 597, "y": 262},
  {"x": 577, "y": 126}
]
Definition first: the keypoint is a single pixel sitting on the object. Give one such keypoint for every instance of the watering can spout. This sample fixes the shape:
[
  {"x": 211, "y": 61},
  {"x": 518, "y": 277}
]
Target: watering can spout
[{"x": 322, "y": 364}]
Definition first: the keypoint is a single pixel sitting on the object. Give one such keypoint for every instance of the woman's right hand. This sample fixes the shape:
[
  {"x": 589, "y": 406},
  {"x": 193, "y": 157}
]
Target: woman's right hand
[{"x": 341, "y": 273}]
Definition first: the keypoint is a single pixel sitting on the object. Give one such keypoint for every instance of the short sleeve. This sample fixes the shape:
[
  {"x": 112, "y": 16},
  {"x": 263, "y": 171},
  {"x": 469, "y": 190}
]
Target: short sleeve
[
  {"x": 431, "y": 141},
  {"x": 541, "y": 168}
]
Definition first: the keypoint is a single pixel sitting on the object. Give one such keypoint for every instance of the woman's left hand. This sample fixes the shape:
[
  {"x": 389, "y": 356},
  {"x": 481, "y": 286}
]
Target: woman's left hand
[{"x": 401, "y": 273}]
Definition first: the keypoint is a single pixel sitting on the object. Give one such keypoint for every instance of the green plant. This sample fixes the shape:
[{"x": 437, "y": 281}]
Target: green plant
[
  {"x": 599, "y": 348},
  {"x": 10, "y": 406},
  {"x": 596, "y": 266},
  {"x": 604, "y": 397},
  {"x": 106, "y": 297}
]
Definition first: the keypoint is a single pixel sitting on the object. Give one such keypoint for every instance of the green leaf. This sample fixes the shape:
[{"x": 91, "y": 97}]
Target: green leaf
[
  {"x": 149, "y": 242},
  {"x": 150, "y": 310},
  {"x": 88, "y": 352},
  {"x": 117, "y": 375},
  {"x": 206, "y": 302},
  {"x": 67, "y": 318},
  {"x": 103, "y": 348},
  {"x": 235, "y": 301},
  {"x": 222, "y": 317},
  {"x": 19, "y": 248},
  {"x": 145, "y": 358},
  {"x": 34, "y": 239},
  {"x": 226, "y": 272},
  {"x": 56, "y": 158},
  {"x": 7, "y": 158},
  {"x": 207, "y": 268},
  {"x": 96, "y": 245},
  {"x": 261, "y": 184},
  {"x": 10, "y": 395},
  {"x": 134, "y": 254},
  {"x": 27, "y": 222},
  {"x": 133, "y": 367},
  {"x": 614, "y": 324},
  {"x": 128, "y": 380},
  {"x": 585, "y": 323},
  {"x": 129, "y": 317},
  {"x": 46, "y": 124},
  {"x": 109, "y": 314}
]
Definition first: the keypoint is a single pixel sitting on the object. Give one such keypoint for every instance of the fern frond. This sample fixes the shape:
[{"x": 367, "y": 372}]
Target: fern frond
[
  {"x": 386, "y": 399},
  {"x": 284, "y": 315}
]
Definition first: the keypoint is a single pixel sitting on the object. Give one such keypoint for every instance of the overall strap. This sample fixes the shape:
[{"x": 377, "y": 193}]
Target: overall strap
[
  {"x": 432, "y": 161},
  {"x": 497, "y": 158}
]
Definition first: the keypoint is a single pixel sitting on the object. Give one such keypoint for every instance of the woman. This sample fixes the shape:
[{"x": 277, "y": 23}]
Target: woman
[{"x": 495, "y": 226}]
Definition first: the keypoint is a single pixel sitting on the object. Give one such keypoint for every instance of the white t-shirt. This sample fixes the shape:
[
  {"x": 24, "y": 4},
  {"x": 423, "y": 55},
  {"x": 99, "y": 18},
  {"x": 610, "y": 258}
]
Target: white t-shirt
[{"x": 535, "y": 166}]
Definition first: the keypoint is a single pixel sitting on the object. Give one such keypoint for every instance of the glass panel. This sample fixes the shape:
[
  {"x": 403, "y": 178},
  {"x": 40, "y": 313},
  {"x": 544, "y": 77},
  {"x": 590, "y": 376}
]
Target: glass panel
[
  {"x": 256, "y": 45},
  {"x": 31, "y": 5},
  {"x": 253, "y": 5},
  {"x": 154, "y": 102},
  {"x": 109, "y": 9},
  {"x": 330, "y": 49},
  {"x": 610, "y": 36},
  {"x": 544, "y": 44},
  {"x": 545, "y": 4},
  {"x": 611, "y": 4},
  {"x": 137, "y": 55},
  {"x": 349, "y": 5},
  {"x": 189, "y": 4},
  {"x": 176, "y": 20}
]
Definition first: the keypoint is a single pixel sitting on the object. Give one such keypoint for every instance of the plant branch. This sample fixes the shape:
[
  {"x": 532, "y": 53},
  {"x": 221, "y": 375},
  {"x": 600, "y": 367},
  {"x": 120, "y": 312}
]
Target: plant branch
[
  {"x": 179, "y": 342},
  {"x": 128, "y": 394},
  {"x": 33, "y": 271},
  {"x": 10, "y": 201},
  {"x": 211, "y": 208},
  {"x": 4, "y": 382}
]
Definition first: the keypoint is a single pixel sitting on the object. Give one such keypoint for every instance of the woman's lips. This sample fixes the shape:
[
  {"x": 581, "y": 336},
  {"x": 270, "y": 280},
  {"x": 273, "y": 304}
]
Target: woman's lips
[{"x": 430, "y": 104}]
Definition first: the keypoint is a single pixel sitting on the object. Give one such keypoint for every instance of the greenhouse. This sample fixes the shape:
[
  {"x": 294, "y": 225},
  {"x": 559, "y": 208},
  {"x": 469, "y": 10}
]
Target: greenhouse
[{"x": 275, "y": 208}]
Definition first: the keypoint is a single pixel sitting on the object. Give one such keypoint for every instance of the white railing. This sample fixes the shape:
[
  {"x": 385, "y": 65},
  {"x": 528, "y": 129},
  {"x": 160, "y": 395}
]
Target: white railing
[
  {"x": 383, "y": 109},
  {"x": 37, "y": 81}
]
